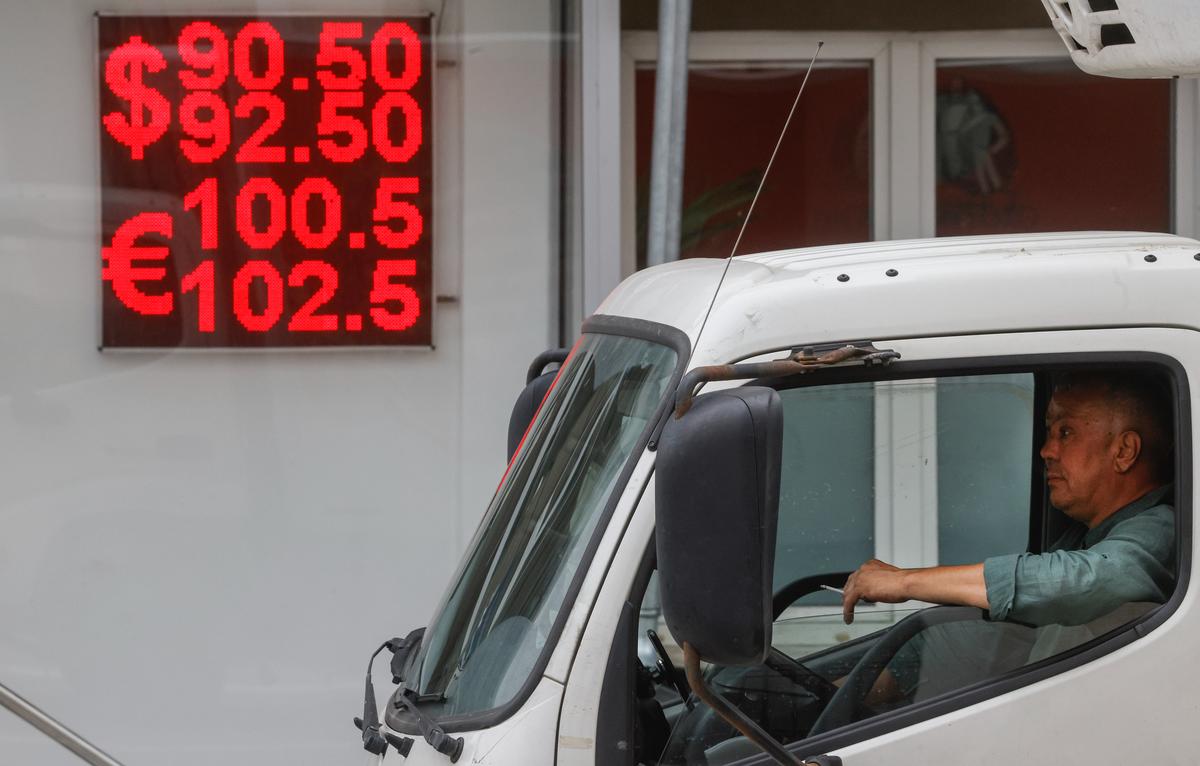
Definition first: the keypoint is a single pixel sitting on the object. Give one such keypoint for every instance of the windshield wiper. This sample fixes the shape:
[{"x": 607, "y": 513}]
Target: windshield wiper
[
  {"x": 375, "y": 740},
  {"x": 434, "y": 734}
]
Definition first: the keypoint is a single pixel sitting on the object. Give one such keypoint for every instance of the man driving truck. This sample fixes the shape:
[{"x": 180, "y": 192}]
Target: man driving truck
[{"x": 1108, "y": 456}]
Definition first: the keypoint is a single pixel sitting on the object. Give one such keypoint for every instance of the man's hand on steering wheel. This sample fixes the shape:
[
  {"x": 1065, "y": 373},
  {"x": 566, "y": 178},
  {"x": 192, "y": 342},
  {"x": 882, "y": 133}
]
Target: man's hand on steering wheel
[{"x": 873, "y": 581}]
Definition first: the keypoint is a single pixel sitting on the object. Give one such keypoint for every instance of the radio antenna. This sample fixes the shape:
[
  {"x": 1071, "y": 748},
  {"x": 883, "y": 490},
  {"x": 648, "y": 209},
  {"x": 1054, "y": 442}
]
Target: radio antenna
[{"x": 758, "y": 191}]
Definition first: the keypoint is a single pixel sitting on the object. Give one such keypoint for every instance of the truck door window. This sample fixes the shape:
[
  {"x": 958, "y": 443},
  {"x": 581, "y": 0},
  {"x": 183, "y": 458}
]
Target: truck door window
[
  {"x": 914, "y": 472},
  {"x": 917, "y": 473},
  {"x": 984, "y": 432},
  {"x": 827, "y": 509}
]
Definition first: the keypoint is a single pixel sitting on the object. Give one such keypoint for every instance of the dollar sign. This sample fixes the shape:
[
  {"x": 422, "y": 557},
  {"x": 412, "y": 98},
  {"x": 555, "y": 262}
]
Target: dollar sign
[
  {"x": 119, "y": 269},
  {"x": 124, "y": 72}
]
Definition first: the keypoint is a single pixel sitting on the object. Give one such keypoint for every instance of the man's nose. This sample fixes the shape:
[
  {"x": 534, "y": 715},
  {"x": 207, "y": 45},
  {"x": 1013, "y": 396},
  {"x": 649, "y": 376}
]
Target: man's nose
[{"x": 1048, "y": 450}]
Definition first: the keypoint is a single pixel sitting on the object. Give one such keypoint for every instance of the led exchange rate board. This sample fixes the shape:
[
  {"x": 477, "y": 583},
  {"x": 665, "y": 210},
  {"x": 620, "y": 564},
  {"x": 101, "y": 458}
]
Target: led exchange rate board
[{"x": 265, "y": 181}]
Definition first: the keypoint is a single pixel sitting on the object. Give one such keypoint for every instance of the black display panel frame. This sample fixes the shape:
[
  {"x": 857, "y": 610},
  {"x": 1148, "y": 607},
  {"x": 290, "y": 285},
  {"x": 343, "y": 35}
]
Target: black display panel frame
[{"x": 306, "y": 222}]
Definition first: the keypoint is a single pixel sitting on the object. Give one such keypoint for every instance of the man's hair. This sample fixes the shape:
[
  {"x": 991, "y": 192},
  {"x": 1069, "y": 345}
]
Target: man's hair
[{"x": 1145, "y": 400}]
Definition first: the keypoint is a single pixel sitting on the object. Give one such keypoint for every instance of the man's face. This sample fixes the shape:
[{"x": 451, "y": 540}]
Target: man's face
[{"x": 1080, "y": 426}]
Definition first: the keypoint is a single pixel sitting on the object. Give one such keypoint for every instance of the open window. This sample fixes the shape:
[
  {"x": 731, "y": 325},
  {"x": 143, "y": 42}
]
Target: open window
[{"x": 917, "y": 471}]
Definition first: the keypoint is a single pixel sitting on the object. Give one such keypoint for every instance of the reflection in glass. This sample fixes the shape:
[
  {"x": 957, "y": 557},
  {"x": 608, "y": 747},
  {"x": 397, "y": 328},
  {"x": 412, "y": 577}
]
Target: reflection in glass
[
  {"x": 985, "y": 427},
  {"x": 819, "y": 190},
  {"x": 1037, "y": 145},
  {"x": 827, "y": 484}
]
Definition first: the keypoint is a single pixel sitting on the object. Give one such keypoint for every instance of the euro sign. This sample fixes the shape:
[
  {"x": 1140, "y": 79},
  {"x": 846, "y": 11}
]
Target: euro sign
[
  {"x": 125, "y": 72},
  {"x": 120, "y": 270}
]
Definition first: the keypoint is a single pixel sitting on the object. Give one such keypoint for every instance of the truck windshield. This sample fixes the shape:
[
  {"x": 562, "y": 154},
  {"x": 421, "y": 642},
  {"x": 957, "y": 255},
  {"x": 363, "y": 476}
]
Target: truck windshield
[{"x": 500, "y": 614}]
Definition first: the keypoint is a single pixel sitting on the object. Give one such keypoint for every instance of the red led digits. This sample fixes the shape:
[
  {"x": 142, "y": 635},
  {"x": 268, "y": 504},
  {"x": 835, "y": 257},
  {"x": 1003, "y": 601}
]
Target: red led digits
[
  {"x": 254, "y": 150},
  {"x": 411, "y": 45},
  {"x": 388, "y": 206},
  {"x": 261, "y": 239},
  {"x": 119, "y": 267},
  {"x": 264, "y": 34},
  {"x": 213, "y": 59},
  {"x": 202, "y": 280},
  {"x": 381, "y": 123},
  {"x": 332, "y": 204},
  {"x": 204, "y": 117},
  {"x": 289, "y": 203},
  {"x": 305, "y": 319},
  {"x": 331, "y": 56},
  {"x": 388, "y": 291},
  {"x": 204, "y": 197},
  {"x": 272, "y": 296},
  {"x": 334, "y": 123}
]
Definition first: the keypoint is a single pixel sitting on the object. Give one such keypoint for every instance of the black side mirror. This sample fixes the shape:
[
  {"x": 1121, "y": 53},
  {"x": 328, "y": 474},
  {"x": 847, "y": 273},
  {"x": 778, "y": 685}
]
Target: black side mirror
[
  {"x": 537, "y": 385},
  {"x": 716, "y": 506},
  {"x": 716, "y": 497}
]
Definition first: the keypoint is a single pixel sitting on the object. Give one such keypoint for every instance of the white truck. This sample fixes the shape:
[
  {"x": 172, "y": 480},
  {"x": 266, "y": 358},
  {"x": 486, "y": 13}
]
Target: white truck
[
  {"x": 881, "y": 399},
  {"x": 910, "y": 380}
]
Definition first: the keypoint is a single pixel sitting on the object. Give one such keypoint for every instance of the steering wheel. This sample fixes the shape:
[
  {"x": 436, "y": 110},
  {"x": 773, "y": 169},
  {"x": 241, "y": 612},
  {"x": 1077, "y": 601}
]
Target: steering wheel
[
  {"x": 797, "y": 589},
  {"x": 800, "y": 674},
  {"x": 849, "y": 700},
  {"x": 839, "y": 705},
  {"x": 787, "y": 666}
]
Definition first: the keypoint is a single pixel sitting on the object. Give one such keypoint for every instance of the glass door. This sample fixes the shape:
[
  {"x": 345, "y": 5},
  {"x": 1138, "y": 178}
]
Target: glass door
[
  {"x": 819, "y": 189},
  {"x": 905, "y": 135},
  {"x": 1027, "y": 145}
]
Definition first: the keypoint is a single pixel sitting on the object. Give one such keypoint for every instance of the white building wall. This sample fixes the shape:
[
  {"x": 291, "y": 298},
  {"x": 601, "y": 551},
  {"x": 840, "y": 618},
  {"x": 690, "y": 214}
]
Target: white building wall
[
  {"x": 199, "y": 550},
  {"x": 509, "y": 288}
]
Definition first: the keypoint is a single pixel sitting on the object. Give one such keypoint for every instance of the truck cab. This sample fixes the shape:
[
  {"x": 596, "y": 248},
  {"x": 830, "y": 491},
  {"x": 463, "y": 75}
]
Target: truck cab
[{"x": 920, "y": 446}]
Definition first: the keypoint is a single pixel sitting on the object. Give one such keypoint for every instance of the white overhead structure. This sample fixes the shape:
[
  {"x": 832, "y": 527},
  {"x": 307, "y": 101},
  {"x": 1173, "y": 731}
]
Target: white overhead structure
[{"x": 1130, "y": 38}]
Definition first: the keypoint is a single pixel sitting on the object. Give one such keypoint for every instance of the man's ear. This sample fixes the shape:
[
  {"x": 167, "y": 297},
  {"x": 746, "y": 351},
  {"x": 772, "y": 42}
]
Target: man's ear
[{"x": 1128, "y": 450}]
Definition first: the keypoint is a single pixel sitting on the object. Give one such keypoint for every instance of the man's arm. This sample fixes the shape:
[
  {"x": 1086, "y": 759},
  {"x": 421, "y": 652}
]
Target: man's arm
[
  {"x": 1077, "y": 586},
  {"x": 877, "y": 581},
  {"x": 1068, "y": 587}
]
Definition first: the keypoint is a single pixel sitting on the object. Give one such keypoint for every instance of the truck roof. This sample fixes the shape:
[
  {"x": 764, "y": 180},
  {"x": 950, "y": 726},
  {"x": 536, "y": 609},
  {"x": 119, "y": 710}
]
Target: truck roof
[{"x": 920, "y": 287}]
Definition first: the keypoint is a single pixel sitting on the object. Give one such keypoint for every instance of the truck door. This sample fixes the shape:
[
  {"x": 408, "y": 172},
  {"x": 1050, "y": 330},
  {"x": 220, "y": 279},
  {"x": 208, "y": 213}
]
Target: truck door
[{"x": 936, "y": 462}]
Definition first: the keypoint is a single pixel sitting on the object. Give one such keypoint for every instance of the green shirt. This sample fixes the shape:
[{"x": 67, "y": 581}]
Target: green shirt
[{"x": 1130, "y": 556}]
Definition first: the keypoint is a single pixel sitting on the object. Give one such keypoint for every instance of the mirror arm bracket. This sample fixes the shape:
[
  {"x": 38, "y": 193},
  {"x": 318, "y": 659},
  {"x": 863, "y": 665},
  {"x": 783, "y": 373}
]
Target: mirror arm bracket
[
  {"x": 734, "y": 717},
  {"x": 802, "y": 361}
]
